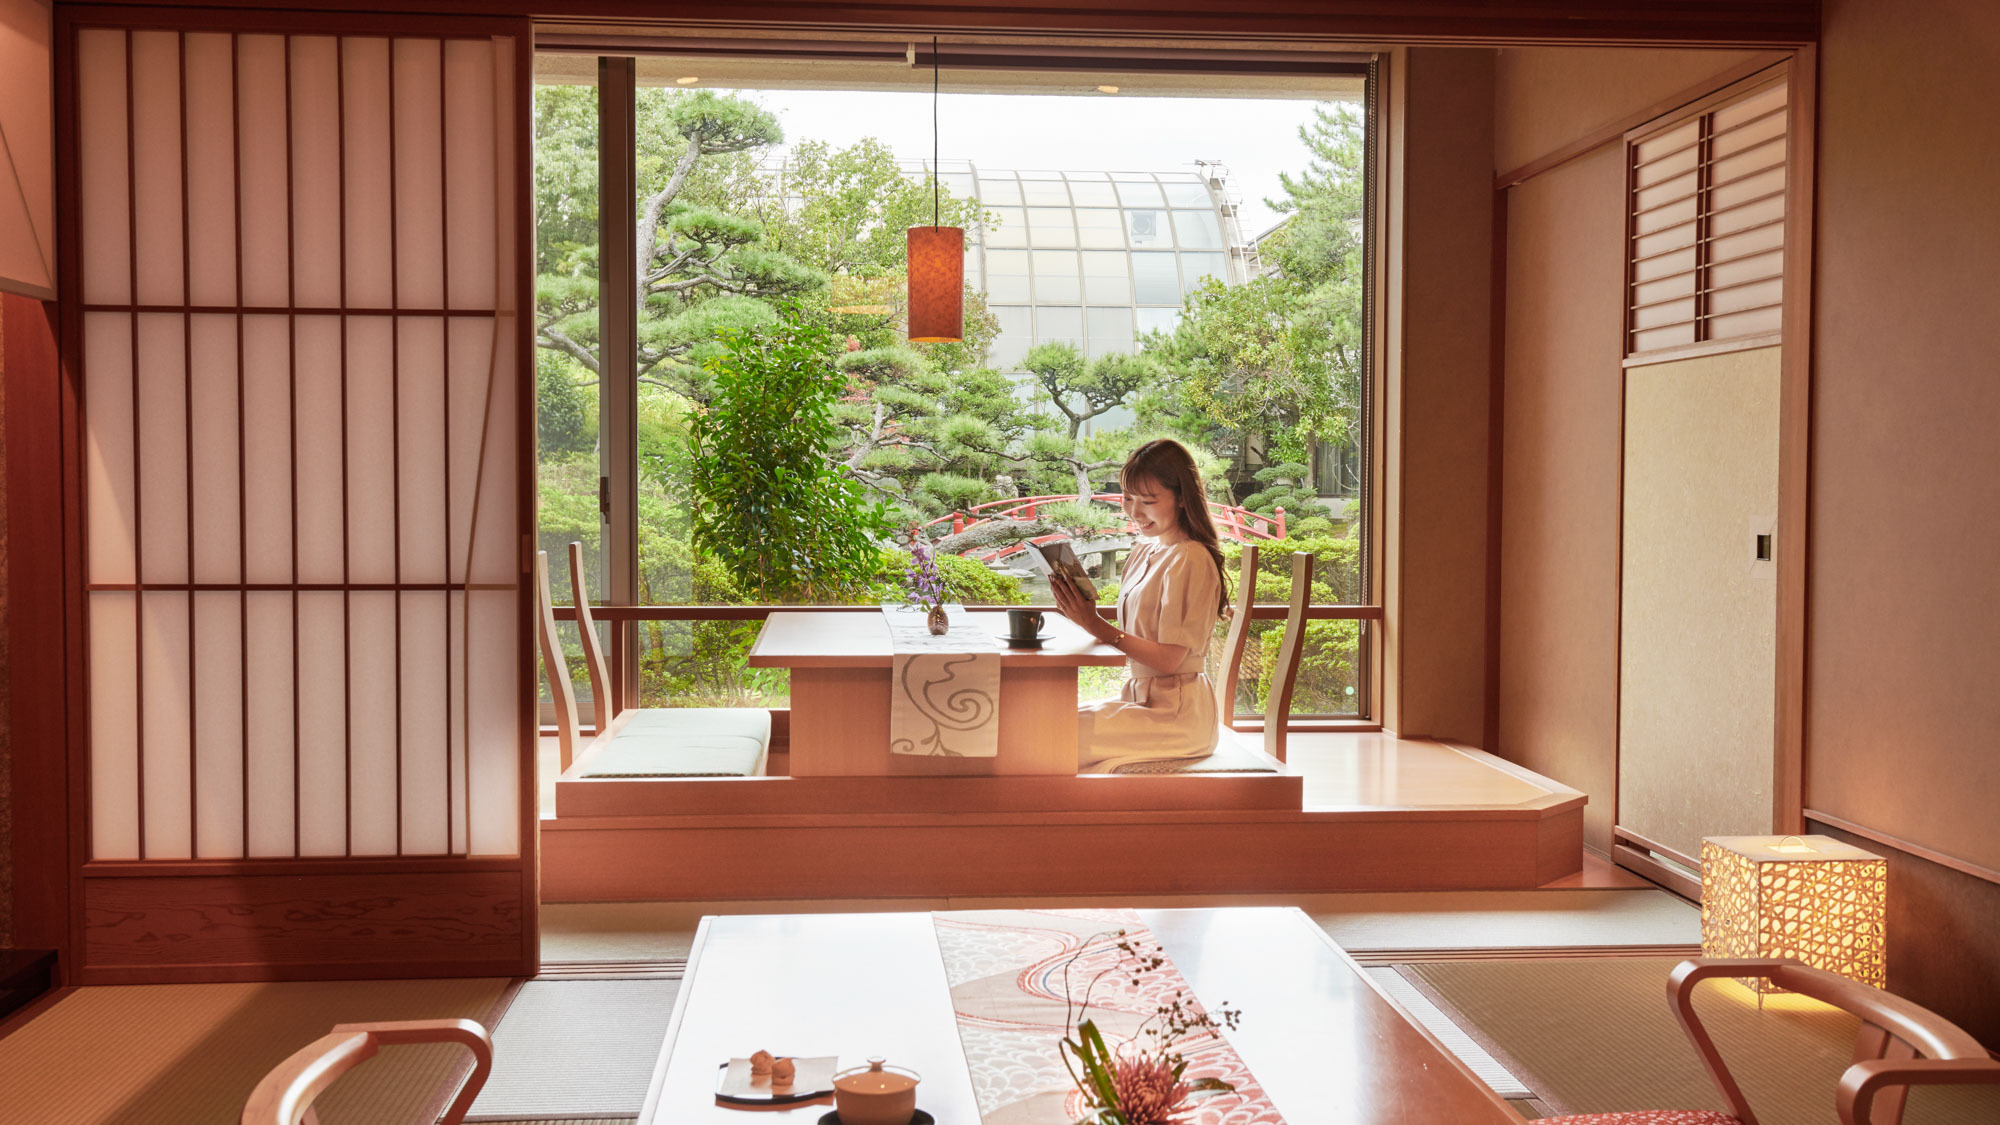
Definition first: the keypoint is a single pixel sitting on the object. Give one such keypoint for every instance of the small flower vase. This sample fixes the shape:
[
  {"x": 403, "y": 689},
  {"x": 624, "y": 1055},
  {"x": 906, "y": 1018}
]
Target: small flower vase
[{"x": 938, "y": 622}]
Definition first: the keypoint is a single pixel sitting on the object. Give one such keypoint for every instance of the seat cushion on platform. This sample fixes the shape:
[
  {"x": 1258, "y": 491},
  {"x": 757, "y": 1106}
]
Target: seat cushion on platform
[
  {"x": 686, "y": 742},
  {"x": 1647, "y": 1117},
  {"x": 1235, "y": 752}
]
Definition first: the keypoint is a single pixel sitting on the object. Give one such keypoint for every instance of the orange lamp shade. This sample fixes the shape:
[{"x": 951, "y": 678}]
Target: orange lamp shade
[{"x": 937, "y": 284}]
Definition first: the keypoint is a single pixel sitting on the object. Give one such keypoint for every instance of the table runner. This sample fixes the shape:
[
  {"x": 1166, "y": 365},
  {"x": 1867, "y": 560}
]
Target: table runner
[
  {"x": 1006, "y": 971},
  {"x": 944, "y": 695}
]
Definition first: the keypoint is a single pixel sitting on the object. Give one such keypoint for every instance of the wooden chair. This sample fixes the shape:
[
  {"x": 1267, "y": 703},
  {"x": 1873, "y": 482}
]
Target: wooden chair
[
  {"x": 285, "y": 1095},
  {"x": 1234, "y": 750},
  {"x": 651, "y": 742},
  {"x": 1284, "y": 677},
  {"x": 1230, "y": 667},
  {"x": 1899, "y": 1045}
]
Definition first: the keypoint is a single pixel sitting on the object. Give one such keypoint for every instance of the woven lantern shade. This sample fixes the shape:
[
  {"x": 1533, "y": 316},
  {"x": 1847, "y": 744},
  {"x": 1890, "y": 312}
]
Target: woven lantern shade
[
  {"x": 937, "y": 284},
  {"x": 1809, "y": 897}
]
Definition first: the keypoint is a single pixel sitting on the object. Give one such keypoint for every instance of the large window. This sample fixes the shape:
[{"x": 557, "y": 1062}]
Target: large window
[{"x": 1122, "y": 286}]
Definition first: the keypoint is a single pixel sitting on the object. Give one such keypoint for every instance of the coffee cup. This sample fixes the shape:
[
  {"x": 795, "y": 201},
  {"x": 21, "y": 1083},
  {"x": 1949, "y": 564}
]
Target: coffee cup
[{"x": 1024, "y": 624}]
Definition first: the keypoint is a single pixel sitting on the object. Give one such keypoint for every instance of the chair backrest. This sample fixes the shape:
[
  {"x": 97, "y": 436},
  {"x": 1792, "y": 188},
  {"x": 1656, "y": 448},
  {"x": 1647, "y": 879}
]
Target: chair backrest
[
  {"x": 561, "y": 692},
  {"x": 603, "y": 703},
  {"x": 1231, "y": 666},
  {"x": 1278, "y": 703},
  {"x": 1900, "y": 1044},
  {"x": 285, "y": 1095}
]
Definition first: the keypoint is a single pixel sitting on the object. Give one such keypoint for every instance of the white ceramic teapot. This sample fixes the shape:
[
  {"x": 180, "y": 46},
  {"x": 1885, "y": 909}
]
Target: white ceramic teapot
[{"x": 876, "y": 1094}]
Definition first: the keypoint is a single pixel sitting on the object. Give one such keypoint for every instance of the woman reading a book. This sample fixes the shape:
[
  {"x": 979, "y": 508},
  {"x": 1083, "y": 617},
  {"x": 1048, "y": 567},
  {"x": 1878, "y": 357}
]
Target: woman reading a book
[{"x": 1170, "y": 597}]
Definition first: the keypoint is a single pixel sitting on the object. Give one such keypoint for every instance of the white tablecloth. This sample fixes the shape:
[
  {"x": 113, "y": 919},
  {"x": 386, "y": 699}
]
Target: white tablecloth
[{"x": 944, "y": 698}]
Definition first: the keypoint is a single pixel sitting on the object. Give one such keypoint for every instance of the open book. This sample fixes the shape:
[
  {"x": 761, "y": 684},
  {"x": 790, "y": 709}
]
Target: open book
[{"x": 1053, "y": 559}]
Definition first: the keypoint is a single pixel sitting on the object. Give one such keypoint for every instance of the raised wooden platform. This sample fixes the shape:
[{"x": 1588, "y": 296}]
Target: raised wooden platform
[{"x": 1358, "y": 812}]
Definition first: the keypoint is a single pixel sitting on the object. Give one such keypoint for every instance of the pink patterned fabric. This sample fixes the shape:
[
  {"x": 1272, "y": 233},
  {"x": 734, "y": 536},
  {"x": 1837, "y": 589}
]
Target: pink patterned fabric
[
  {"x": 1646, "y": 1117},
  {"x": 1007, "y": 974}
]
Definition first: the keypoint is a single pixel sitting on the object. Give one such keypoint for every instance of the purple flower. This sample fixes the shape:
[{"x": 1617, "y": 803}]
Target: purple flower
[{"x": 923, "y": 584}]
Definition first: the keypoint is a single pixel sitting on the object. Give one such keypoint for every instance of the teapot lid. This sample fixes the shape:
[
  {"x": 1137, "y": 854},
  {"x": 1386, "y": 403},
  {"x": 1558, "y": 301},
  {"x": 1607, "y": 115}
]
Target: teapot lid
[{"x": 876, "y": 1078}]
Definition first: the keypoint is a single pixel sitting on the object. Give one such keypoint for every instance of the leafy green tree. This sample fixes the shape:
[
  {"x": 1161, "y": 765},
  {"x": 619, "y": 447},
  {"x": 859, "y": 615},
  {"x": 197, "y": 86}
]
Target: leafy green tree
[
  {"x": 565, "y": 414},
  {"x": 1275, "y": 364},
  {"x": 770, "y": 504},
  {"x": 695, "y": 177},
  {"x": 1285, "y": 486},
  {"x": 1102, "y": 385},
  {"x": 919, "y": 432}
]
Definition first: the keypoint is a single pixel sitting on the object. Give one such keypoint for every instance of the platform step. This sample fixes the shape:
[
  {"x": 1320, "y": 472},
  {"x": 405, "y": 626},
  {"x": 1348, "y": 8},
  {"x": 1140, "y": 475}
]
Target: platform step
[{"x": 25, "y": 974}]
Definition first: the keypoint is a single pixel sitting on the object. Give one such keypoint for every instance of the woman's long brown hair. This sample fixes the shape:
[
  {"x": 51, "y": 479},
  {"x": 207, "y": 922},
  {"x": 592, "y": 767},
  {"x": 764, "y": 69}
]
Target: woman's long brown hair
[{"x": 1167, "y": 463}]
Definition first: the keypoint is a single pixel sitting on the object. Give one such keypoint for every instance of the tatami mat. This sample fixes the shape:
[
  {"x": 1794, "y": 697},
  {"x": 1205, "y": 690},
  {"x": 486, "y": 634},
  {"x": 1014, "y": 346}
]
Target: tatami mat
[
  {"x": 664, "y": 931},
  {"x": 1506, "y": 919},
  {"x": 1448, "y": 1033},
  {"x": 176, "y": 1054},
  {"x": 578, "y": 1047},
  {"x": 569, "y": 1121},
  {"x": 1596, "y": 1036},
  {"x": 1361, "y": 923}
]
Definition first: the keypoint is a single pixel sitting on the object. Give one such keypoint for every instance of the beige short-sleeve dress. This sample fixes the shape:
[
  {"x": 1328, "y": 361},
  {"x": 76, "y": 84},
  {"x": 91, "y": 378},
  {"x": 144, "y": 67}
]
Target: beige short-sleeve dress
[{"x": 1170, "y": 594}]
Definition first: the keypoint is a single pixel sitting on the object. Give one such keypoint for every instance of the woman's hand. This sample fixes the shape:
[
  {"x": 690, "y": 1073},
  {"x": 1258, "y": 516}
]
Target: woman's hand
[{"x": 1071, "y": 603}]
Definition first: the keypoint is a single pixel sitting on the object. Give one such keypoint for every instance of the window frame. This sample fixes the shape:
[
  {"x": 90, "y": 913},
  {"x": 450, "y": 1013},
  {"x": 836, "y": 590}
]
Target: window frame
[{"x": 618, "y": 397}]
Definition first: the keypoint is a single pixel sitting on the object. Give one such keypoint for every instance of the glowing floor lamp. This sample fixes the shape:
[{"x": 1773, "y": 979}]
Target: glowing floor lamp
[{"x": 1809, "y": 897}]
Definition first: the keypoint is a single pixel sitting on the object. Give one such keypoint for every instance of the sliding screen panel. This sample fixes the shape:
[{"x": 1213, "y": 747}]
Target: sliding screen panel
[{"x": 297, "y": 284}]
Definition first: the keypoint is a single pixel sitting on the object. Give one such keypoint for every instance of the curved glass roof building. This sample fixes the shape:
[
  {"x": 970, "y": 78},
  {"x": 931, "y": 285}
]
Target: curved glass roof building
[{"x": 1095, "y": 258}]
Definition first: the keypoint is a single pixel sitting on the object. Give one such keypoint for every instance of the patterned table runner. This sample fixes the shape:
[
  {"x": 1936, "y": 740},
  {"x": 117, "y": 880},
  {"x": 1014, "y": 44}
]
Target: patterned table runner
[
  {"x": 1007, "y": 972},
  {"x": 944, "y": 696}
]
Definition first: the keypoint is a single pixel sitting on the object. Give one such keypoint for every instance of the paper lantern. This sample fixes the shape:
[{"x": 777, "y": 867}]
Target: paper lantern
[
  {"x": 1809, "y": 897},
  {"x": 937, "y": 284}
]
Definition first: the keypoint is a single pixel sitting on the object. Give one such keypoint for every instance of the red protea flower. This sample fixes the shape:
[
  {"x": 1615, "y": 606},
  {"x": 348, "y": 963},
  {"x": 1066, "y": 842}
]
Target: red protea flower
[{"x": 1148, "y": 1092}]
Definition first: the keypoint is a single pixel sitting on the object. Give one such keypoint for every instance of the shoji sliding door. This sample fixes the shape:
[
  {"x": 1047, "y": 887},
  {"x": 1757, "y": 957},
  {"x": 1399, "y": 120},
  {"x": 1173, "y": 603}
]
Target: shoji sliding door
[{"x": 294, "y": 306}]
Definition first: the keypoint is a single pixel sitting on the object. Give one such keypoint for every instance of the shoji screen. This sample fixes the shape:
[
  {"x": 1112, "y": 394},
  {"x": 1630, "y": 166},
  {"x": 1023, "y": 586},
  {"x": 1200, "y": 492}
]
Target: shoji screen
[{"x": 300, "y": 438}]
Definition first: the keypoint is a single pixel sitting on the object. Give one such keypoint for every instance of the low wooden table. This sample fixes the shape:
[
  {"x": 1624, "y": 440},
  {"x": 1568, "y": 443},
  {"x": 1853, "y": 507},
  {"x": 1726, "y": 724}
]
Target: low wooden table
[
  {"x": 840, "y": 663},
  {"x": 1328, "y": 1047}
]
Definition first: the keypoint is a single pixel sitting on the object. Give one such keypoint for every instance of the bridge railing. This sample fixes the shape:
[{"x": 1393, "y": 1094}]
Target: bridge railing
[{"x": 1232, "y": 522}]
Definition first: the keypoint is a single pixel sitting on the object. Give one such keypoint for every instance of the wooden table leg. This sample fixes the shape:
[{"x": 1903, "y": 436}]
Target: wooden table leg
[{"x": 840, "y": 725}]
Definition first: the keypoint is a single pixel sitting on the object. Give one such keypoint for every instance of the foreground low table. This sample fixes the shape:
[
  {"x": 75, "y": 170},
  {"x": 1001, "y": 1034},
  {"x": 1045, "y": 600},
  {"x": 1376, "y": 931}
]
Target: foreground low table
[
  {"x": 1324, "y": 1043},
  {"x": 840, "y": 662}
]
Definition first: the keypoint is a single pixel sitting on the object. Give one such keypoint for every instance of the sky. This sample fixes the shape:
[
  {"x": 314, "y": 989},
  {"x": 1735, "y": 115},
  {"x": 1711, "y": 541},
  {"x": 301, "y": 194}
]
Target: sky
[{"x": 1255, "y": 138}]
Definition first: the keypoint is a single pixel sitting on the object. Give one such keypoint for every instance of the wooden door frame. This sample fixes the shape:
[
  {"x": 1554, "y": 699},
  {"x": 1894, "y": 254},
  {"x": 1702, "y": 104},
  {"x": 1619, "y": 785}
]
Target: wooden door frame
[
  {"x": 45, "y": 462},
  {"x": 1794, "y": 419}
]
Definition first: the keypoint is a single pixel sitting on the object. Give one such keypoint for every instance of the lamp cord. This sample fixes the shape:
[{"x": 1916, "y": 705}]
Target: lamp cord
[{"x": 934, "y": 131}]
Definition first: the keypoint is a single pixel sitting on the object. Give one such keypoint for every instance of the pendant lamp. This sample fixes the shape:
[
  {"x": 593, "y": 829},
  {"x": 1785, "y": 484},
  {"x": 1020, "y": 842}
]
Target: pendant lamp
[{"x": 936, "y": 259}]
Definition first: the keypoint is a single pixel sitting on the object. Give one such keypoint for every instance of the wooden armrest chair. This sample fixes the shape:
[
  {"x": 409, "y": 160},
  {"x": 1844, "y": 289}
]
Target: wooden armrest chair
[
  {"x": 286, "y": 1094},
  {"x": 1278, "y": 704},
  {"x": 1899, "y": 1045},
  {"x": 632, "y": 742}
]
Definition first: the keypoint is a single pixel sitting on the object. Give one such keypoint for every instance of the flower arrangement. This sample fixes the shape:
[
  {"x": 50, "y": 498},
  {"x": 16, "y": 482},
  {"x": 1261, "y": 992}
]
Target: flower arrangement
[
  {"x": 1143, "y": 1081},
  {"x": 923, "y": 586}
]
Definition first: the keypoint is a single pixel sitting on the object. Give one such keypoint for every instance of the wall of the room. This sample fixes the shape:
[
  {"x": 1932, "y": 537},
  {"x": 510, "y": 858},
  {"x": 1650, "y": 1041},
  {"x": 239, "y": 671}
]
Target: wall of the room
[
  {"x": 1902, "y": 655},
  {"x": 1557, "y": 696},
  {"x": 6, "y": 666},
  {"x": 1902, "y": 712},
  {"x": 27, "y": 254},
  {"x": 1437, "y": 420}
]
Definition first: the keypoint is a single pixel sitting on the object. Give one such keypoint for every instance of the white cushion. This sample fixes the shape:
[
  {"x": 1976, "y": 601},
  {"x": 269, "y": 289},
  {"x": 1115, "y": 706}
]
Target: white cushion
[
  {"x": 686, "y": 742},
  {"x": 1235, "y": 752}
]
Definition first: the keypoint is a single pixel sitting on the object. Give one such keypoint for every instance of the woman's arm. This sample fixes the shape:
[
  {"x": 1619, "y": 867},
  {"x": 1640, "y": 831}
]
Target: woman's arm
[{"x": 1153, "y": 654}]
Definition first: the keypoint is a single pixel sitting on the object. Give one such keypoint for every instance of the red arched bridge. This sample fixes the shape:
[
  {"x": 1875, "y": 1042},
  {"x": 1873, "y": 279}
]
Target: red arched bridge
[{"x": 1237, "y": 524}]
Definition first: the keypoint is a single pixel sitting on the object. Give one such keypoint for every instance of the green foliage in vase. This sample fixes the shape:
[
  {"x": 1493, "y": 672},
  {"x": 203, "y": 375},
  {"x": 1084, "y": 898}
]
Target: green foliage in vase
[{"x": 769, "y": 503}]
